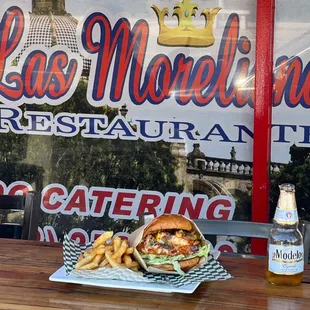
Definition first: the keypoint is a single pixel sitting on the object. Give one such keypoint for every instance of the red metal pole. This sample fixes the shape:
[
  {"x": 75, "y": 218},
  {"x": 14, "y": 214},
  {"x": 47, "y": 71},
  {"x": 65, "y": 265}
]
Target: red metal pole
[{"x": 262, "y": 116}]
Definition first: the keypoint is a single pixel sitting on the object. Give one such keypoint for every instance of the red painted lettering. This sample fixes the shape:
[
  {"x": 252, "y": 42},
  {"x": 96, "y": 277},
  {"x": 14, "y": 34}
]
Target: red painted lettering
[
  {"x": 149, "y": 203},
  {"x": 2, "y": 188},
  {"x": 50, "y": 234},
  {"x": 188, "y": 209},
  {"x": 77, "y": 202},
  {"x": 225, "y": 248},
  {"x": 12, "y": 28},
  {"x": 203, "y": 79},
  {"x": 169, "y": 204},
  {"x": 100, "y": 197},
  {"x": 122, "y": 201},
  {"x": 19, "y": 188},
  {"x": 79, "y": 236},
  {"x": 53, "y": 198},
  {"x": 228, "y": 49},
  {"x": 220, "y": 208}
]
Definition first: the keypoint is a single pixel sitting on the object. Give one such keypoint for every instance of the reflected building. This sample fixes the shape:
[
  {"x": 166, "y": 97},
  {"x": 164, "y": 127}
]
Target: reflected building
[
  {"x": 212, "y": 176},
  {"x": 51, "y": 24}
]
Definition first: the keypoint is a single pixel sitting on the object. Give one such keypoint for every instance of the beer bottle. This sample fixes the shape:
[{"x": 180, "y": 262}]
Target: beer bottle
[{"x": 285, "y": 255}]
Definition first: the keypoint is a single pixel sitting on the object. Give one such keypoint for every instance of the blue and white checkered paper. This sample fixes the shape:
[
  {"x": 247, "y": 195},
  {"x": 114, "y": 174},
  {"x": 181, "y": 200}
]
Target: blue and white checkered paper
[{"x": 211, "y": 271}]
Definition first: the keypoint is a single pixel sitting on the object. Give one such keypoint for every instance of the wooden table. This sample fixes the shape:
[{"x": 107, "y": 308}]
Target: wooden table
[{"x": 25, "y": 267}]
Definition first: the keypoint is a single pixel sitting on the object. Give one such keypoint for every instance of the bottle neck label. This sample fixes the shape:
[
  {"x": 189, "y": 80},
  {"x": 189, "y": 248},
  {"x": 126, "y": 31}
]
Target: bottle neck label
[
  {"x": 287, "y": 201},
  {"x": 286, "y": 217},
  {"x": 286, "y": 260}
]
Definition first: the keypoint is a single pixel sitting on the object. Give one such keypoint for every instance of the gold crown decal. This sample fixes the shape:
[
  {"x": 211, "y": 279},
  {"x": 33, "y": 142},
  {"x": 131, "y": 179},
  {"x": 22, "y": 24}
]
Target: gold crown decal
[{"x": 186, "y": 34}]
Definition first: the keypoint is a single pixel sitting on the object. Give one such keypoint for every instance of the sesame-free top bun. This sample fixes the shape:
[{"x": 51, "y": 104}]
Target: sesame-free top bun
[{"x": 168, "y": 221}]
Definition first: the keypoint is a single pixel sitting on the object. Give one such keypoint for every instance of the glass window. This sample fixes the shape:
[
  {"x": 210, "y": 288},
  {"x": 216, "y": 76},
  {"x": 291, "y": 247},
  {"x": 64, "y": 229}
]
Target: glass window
[
  {"x": 290, "y": 133},
  {"x": 140, "y": 112}
]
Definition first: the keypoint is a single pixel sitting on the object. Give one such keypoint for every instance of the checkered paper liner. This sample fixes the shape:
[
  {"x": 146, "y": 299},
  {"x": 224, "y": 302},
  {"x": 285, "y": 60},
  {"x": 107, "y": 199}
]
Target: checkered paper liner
[
  {"x": 212, "y": 271},
  {"x": 71, "y": 252}
]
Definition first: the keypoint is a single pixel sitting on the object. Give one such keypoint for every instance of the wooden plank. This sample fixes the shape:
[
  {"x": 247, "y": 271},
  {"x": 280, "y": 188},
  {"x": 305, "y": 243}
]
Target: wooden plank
[
  {"x": 22, "y": 307},
  {"x": 26, "y": 266}
]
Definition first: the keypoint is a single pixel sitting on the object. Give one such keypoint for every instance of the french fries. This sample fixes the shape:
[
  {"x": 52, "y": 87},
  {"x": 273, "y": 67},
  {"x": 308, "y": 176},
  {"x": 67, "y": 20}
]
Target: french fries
[
  {"x": 87, "y": 252},
  {"x": 86, "y": 260},
  {"x": 104, "y": 263},
  {"x": 116, "y": 243},
  {"x": 112, "y": 261},
  {"x": 89, "y": 266},
  {"x": 121, "y": 250},
  {"x": 98, "y": 259},
  {"x": 127, "y": 260},
  {"x": 129, "y": 251},
  {"x": 102, "y": 249},
  {"x": 116, "y": 254},
  {"x": 103, "y": 238}
]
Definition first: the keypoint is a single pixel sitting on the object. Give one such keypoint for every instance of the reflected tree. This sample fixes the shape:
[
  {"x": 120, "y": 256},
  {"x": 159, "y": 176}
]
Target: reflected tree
[
  {"x": 92, "y": 162},
  {"x": 297, "y": 172}
]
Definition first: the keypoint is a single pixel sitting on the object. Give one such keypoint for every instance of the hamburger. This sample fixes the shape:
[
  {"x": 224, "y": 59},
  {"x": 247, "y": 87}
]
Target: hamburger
[{"x": 171, "y": 243}]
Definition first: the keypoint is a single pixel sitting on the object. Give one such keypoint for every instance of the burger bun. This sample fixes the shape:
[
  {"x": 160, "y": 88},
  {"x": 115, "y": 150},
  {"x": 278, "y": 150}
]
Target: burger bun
[{"x": 168, "y": 222}]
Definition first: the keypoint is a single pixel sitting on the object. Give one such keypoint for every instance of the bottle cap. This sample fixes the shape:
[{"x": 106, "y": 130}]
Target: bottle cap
[{"x": 287, "y": 187}]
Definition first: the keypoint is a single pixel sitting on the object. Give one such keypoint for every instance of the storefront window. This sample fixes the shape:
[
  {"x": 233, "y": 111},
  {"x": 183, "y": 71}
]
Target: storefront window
[
  {"x": 290, "y": 133},
  {"x": 127, "y": 110}
]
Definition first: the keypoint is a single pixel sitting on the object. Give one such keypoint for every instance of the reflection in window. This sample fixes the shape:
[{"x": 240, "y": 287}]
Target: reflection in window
[{"x": 54, "y": 4}]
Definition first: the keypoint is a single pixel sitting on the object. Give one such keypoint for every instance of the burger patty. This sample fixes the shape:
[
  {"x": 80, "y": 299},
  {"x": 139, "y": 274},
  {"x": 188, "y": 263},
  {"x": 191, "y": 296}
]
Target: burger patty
[{"x": 170, "y": 243}]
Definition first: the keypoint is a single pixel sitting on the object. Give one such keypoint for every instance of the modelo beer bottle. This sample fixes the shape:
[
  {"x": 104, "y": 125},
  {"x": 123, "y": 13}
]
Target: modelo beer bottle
[{"x": 285, "y": 257}]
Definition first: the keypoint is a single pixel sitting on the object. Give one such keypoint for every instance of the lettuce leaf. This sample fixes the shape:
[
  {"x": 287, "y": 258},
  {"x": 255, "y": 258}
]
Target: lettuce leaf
[
  {"x": 152, "y": 259},
  {"x": 177, "y": 268}
]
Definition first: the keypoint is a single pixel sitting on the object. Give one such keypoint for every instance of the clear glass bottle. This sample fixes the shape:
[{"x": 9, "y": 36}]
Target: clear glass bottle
[{"x": 285, "y": 255}]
